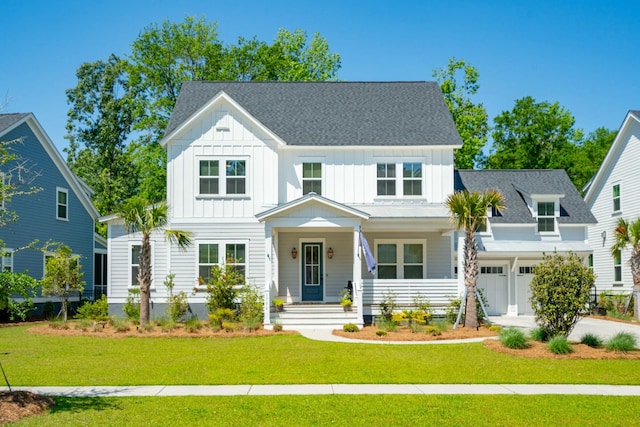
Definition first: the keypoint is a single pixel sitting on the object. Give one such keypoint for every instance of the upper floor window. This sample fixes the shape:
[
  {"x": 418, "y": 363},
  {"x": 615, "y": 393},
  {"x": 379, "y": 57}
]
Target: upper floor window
[
  {"x": 412, "y": 179},
  {"x": 62, "y": 203},
  {"x": 616, "y": 198},
  {"x": 617, "y": 266},
  {"x": 6, "y": 261},
  {"x": 546, "y": 217},
  {"x": 312, "y": 178},
  {"x": 401, "y": 260},
  {"x": 386, "y": 179},
  {"x": 232, "y": 182}
]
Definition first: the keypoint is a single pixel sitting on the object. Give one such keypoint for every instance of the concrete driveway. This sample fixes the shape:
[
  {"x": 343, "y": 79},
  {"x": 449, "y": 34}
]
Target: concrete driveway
[{"x": 604, "y": 329}]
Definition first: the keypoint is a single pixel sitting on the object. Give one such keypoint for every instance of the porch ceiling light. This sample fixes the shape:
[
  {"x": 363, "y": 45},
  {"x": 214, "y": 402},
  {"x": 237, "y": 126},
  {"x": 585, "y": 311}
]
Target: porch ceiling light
[
  {"x": 294, "y": 253},
  {"x": 330, "y": 253}
]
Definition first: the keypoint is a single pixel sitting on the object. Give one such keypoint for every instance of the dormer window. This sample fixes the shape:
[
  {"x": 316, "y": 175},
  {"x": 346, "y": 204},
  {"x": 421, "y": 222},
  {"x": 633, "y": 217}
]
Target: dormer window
[{"x": 546, "y": 217}]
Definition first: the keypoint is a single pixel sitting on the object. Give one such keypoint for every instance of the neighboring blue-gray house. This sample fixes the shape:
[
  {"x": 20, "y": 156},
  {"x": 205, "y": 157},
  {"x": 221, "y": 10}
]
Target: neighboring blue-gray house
[{"x": 61, "y": 211}]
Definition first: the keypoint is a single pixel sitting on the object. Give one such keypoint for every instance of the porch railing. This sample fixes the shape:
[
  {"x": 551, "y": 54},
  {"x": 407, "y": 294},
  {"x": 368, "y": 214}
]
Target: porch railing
[{"x": 437, "y": 291}]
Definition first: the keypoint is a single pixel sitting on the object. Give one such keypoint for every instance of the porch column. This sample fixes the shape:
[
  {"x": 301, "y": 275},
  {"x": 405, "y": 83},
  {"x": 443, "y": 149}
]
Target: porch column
[
  {"x": 268, "y": 273},
  {"x": 357, "y": 274}
]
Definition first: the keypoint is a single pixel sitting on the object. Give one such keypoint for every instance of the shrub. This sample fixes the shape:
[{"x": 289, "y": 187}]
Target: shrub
[
  {"x": 613, "y": 303},
  {"x": 166, "y": 324},
  {"x": 381, "y": 333},
  {"x": 350, "y": 327},
  {"x": 423, "y": 309},
  {"x": 131, "y": 307},
  {"x": 58, "y": 324},
  {"x": 387, "y": 325},
  {"x": 220, "y": 315},
  {"x": 192, "y": 324},
  {"x": 513, "y": 338},
  {"x": 277, "y": 327},
  {"x": 21, "y": 285},
  {"x": 97, "y": 311},
  {"x": 538, "y": 334},
  {"x": 591, "y": 340},
  {"x": 252, "y": 308},
  {"x": 120, "y": 325},
  {"x": 222, "y": 288},
  {"x": 388, "y": 306},
  {"x": 84, "y": 325},
  {"x": 230, "y": 326},
  {"x": 495, "y": 328},
  {"x": 559, "y": 345},
  {"x": 433, "y": 330},
  {"x": 415, "y": 319},
  {"x": 622, "y": 341},
  {"x": 560, "y": 292}
]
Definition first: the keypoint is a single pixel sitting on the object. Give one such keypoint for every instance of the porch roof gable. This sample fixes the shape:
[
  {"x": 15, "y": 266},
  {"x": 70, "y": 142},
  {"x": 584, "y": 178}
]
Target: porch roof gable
[{"x": 306, "y": 200}]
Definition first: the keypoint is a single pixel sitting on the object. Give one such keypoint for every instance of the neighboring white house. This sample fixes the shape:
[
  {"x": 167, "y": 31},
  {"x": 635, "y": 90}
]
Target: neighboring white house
[
  {"x": 614, "y": 193},
  {"x": 280, "y": 179}
]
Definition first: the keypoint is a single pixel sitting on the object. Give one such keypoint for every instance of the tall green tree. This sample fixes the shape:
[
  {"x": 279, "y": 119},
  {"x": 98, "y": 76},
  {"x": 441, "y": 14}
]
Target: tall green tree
[
  {"x": 628, "y": 234},
  {"x": 533, "y": 135},
  {"x": 589, "y": 156},
  {"x": 103, "y": 112},
  {"x": 63, "y": 276},
  {"x": 459, "y": 82},
  {"x": 468, "y": 211},
  {"x": 140, "y": 216}
]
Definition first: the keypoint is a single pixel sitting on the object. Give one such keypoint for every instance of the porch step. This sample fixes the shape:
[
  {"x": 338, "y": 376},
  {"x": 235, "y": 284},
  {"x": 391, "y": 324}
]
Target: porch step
[{"x": 314, "y": 316}]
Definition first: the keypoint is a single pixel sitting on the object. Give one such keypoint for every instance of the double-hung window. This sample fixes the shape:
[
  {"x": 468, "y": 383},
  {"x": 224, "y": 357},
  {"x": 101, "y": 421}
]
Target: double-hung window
[
  {"x": 546, "y": 217},
  {"x": 386, "y": 179},
  {"x": 220, "y": 253},
  {"x": 212, "y": 181},
  {"x": 616, "y": 198},
  {"x": 135, "y": 253},
  {"x": 6, "y": 261},
  {"x": 617, "y": 266},
  {"x": 412, "y": 179},
  {"x": 312, "y": 178},
  {"x": 62, "y": 203},
  {"x": 401, "y": 260}
]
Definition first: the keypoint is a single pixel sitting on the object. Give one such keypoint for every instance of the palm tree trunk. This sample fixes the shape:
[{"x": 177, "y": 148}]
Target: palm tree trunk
[
  {"x": 470, "y": 278},
  {"x": 635, "y": 273},
  {"x": 144, "y": 278}
]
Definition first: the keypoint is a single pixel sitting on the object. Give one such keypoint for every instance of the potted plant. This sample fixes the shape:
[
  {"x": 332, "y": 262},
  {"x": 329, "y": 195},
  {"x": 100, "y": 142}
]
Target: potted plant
[
  {"x": 346, "y": 299},
  {"x": 278, "y": 304}
]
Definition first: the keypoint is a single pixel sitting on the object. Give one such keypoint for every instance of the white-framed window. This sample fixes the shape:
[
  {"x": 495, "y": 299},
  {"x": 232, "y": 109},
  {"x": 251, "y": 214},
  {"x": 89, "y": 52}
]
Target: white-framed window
[
  {"x": 6, "y": 261},
  {"x": 616, "y": 197},
  {"x": 62, "y": 203},
  {"x": 546, "y": 217},
  {"x": 590, "y": 261},
  {"x": 222, "y": 177},
  {"x": 617, "y": 266},
  {"x": 135, "y": 250},
  {"x": 386, "y": 179},
  {"x": 312, "y": 178},
  {"x": 412, "y": 179},
  {"x": 402, "y": 259},
  {"x": 211, "y": 254},
  {"x": 493, "y": 269}
]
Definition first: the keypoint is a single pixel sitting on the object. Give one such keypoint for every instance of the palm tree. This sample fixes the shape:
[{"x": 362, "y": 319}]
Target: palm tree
[
  {"x": 628, "y": 234},
  {"x": 468, "y": 211},
  {"x": 139, "y": 216}
]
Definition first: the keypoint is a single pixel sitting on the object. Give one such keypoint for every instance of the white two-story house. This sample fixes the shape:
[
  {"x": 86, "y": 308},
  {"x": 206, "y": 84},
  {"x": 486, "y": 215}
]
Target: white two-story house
[{"x": 281, "y": 179}]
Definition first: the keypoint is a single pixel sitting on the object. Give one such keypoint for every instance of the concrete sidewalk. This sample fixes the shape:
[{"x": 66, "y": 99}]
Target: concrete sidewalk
[{"x": 343, "y": 389}]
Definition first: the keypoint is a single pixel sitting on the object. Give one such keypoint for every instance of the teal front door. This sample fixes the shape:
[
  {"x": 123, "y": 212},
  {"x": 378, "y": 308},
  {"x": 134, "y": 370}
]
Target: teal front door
[{"x": 312, "y": 288}]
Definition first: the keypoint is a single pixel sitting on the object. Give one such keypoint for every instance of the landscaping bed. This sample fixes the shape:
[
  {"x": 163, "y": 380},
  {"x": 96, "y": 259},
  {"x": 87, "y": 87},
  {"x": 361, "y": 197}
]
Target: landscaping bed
[
  {"x": 15, "y": 405},
  {"x": 403, "y": 333},
  {"x": 539, "y": 350}
]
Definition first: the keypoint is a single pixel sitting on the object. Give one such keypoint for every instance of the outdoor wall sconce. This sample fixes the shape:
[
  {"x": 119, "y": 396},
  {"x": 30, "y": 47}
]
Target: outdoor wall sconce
[
  {"x": 330, "y": 253},
  {"x": 294, "y": 253}
]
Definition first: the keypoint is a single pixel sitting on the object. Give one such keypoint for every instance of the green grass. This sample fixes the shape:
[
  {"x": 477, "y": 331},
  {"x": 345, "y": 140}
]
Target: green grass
[
  {"x": 32, "y": 359},
  {"x": 333, "y": 410}
]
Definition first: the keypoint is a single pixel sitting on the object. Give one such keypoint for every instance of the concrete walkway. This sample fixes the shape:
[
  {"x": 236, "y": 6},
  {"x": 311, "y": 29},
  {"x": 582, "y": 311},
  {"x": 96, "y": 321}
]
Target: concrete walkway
[{"x": 346, "y": 389}]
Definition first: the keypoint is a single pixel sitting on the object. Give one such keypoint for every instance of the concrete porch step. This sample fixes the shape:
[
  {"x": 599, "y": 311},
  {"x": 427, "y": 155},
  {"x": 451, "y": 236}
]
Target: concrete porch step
[{"x": 314, "y": 316}]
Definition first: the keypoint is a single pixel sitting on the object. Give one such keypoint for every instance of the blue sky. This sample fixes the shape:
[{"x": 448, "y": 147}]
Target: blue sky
[{"x": 583, "y": 54}]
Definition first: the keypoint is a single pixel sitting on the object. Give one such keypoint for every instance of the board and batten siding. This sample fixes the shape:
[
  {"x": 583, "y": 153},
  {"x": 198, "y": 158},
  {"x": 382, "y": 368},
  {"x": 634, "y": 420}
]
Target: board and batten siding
[
  {"x": 235, "y": 139},
  {"x": 625, "y": 173},
  {"x": 349, "y": 173}
]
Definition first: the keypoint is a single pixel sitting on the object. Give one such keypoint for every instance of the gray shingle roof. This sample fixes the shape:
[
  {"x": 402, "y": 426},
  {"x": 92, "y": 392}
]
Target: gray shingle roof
[
  {"x": 334, "y": 113},
  {"x": 512, "y": 183},
  {"x": 7, "y": 120}
]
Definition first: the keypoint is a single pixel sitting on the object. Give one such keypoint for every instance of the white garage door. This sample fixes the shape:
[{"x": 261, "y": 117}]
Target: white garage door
[
  {"x": 493, "y": 281},
  {"x": 523, "y": 291}
]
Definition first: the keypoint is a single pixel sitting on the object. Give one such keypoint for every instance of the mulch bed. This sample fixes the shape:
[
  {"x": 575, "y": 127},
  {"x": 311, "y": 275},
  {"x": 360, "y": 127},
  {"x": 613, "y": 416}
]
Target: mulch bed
[
  {"x": 403, "y": 333},
  {"x": 20, "y": 404}
]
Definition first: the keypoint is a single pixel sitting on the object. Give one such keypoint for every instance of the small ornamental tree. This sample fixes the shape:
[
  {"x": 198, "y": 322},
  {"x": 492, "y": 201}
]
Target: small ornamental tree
[
  {"x": 560, "y": 291},
  {"x": 63, "y": 276},
  {"x": 17, "y": 285},
  {"x": 224, "y": 287}
]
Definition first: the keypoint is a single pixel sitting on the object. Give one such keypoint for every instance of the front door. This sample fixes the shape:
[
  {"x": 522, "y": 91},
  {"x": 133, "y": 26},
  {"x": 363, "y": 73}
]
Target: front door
[{"x": 312, "y": 289}]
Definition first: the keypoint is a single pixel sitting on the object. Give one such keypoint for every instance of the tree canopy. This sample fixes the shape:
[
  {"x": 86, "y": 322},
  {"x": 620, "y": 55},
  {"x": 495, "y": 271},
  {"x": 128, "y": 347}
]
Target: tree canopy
[
  {"x": 458, "y": 82},
  {"x": 120, "y": 107}
]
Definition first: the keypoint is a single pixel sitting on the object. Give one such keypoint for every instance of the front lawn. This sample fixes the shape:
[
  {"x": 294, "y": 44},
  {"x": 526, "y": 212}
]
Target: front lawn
[
  {"x": 32, "y": 359},
  {"x": 360, "y": 410}
]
